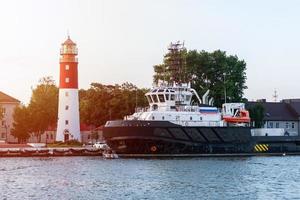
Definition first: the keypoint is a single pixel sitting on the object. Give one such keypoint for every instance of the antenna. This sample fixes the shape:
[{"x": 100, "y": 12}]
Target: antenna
[{"x": 275, "y": 96}]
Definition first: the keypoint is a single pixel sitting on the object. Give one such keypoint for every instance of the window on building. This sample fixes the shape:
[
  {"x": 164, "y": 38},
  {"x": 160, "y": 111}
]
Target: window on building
[
  {"x": 67, "y": 94},
  {"x": 293, "y": 125},
  {"x": 67, "y": 67},
  {"x": 287, "y": 125},
  {"x": 277, "y": 124},
  {"x": 3, "y": 135},
  {"x": 3, "y": 110},
  {"x": 51, "y": 136},
  {"x": 67, "y": 80},
  {"x": 163, "y": 117},
  {"x": 191, "y": 118},
  {"x": 67, "y": 122},
  {"x": 47, "y": 136},
  {"x": 67, "y": 107},
  {"x": 200, "y": 118},
  {"x": 271, "y": 124},
  {"x": 3, "y": 123}
]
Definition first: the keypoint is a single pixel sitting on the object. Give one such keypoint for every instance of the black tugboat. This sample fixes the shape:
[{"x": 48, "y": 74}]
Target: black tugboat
[{"x": 173, "y": 126}]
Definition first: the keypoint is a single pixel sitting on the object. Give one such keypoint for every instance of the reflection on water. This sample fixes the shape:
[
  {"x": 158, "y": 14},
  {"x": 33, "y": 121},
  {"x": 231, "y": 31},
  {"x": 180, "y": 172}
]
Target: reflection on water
[{"x": 193, "y": 178}]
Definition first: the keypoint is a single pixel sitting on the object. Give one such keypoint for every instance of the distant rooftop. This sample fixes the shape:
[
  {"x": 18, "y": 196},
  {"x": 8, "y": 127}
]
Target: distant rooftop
[
  {"x": 5, "y": 98},
  {"x": 286, "y": 109}
]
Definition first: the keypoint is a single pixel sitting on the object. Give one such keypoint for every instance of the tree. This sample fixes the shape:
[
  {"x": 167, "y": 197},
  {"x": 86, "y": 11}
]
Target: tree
[
  {"x": 21, "y": 126},
  {"x": 43, "y": 106},
  {"x": 101, "y": 103},
  {"x": 257, "y": 114},
  {"x": 215, "y": 71}
]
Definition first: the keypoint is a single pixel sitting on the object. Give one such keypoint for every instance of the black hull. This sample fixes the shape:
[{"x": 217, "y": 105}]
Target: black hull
[
  {"x": 165, "y": 138},
  {"x": 161, "y": 137}
]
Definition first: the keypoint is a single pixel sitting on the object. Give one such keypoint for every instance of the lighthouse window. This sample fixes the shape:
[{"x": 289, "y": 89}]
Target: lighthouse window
[
  {"x": 67, "y": 80},
  {"x": 154, "y": 97},
  {"x": 67, "y": 67},
  {"x": 67, "y": 107},
  {"x": 161, "y": 98},
  {"x": 67, "y": 122}
]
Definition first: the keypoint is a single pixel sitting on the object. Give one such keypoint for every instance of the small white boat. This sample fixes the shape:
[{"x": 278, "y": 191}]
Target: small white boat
[{"x": 110, "y": 154}]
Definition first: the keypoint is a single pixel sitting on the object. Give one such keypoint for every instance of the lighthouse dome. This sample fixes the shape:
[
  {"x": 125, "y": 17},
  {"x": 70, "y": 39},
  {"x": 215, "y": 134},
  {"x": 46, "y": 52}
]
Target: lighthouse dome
[{"x": 68, "y": 47}]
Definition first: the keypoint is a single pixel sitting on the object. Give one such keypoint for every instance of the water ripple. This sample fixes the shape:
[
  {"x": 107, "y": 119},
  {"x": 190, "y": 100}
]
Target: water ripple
[{"x": 195, "y": 178}]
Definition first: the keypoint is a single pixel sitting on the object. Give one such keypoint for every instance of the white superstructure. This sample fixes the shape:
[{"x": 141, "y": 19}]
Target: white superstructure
[{"x": 174, "y": 104}]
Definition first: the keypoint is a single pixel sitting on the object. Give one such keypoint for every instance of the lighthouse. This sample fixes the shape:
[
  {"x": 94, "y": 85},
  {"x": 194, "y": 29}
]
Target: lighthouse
[{"x": 68, "y": 127}]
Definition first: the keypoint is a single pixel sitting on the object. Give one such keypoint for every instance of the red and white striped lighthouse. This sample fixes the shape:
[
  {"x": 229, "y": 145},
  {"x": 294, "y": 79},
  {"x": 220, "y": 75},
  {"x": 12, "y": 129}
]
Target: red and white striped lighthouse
[{"x": 68, "y": 127}]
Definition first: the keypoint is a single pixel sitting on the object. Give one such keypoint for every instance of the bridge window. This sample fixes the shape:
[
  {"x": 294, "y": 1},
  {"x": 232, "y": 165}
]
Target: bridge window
[
  {"x": 188, "y": 97},
  {"x": 167, "y": 97},
  {"x": 154, "y": 97},
  {"x": 161, "y": 98},
  {"x": 149, "y": 98},
  {"x": 172, "y": 97}
]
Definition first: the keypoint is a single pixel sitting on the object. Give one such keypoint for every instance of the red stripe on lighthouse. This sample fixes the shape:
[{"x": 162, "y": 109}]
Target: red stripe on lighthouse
[{"x": 68, "y": 75}]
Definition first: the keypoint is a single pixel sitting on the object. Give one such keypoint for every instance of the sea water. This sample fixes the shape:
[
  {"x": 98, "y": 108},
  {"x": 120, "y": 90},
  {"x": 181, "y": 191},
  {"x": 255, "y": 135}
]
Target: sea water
[{"x": 184, "y": 178}]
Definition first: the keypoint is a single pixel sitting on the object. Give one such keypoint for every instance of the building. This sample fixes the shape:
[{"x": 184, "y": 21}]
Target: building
[
  {"x": 8, "y": 105},
  {"x": 284, "y": 115},
  {"x": 68, "y": 127},
  {"x": 90, "y": 135}
]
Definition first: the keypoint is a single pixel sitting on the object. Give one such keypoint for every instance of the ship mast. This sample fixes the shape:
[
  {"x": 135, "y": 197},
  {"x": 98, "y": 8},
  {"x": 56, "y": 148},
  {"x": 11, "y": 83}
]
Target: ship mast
[{"x": 175, "y": 61}]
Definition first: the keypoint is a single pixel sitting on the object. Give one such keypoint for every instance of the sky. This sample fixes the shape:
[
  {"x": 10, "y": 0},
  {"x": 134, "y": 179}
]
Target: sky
[{"x": 120, "y": 41}]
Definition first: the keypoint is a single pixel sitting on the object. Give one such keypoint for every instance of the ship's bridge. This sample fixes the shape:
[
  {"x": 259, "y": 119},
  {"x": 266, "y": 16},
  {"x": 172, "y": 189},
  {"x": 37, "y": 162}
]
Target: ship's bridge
[{"x": 169, "y": 98}]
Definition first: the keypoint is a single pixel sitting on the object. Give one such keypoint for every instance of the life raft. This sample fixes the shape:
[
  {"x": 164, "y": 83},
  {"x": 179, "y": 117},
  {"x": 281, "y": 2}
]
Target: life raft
[{"x": 241, "y": 117}]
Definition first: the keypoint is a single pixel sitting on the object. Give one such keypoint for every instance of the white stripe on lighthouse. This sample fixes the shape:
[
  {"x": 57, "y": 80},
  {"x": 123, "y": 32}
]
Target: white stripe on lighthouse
[{"x": 68, "y": 114}]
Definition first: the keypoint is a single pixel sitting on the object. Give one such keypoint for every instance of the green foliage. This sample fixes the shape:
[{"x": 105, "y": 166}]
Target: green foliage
[
  {"x": 215, "y": 71},
  {"x": 43, "y": 106},
  {"x": 257, "y": 113},
  {"x": 21, "y": 125},
  {"x": 108, "y": 102}
]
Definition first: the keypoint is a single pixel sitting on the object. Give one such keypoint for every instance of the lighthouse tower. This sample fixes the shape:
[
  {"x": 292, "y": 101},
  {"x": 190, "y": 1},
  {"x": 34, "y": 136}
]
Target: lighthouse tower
[{"x": 68, "y": 127}]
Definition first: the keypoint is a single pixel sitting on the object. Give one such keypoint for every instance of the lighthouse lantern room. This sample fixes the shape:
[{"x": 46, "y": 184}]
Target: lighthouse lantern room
[{"x": 68, "y": 127}]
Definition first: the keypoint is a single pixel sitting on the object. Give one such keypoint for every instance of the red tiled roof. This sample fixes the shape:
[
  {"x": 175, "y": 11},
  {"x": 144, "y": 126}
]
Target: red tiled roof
[{"x": 4, "y": 98}]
